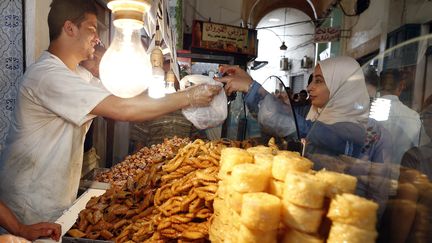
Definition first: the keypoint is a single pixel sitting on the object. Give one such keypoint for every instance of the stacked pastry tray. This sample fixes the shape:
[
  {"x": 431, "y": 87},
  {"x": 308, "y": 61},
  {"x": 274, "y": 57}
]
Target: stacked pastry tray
[
  {"x": 67, "y": 220},
  {"x": 89, "y": 181},
  {"x": 67, "y": 239}
]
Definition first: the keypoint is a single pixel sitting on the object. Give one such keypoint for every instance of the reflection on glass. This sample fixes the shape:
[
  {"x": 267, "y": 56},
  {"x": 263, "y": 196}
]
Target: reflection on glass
[
  {"x": 380, "y": 109},
  {"x": 392, "y": 169},
  {"x": 157, "y": 87}
]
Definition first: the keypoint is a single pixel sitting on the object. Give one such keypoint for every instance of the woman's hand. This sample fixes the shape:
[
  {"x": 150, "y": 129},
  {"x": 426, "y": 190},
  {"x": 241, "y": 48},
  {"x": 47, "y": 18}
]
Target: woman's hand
[
  {"x": 235, "y": 79},
  {"x": 35, "y": 231},
  {"x": 202, "y": 95}
]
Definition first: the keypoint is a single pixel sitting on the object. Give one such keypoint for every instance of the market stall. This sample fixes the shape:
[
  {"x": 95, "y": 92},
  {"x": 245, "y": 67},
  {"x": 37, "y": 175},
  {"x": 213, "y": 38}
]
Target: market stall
[
  {"x": 349, "y": 177},
  {"x": 230, "y": 191}
]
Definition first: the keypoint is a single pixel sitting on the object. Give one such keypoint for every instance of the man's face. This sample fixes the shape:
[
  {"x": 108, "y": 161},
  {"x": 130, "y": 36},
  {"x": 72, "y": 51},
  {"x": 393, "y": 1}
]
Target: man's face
[
  {"x": 87, "y": 36},
  {"x": 93, "y": 64}
]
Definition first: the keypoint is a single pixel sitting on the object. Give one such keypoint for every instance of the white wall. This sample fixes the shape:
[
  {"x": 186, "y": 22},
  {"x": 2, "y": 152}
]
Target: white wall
[
  {"x": 269, "y": 43},
  {"x": 384, "y": 16},
  {"x": 220, "y": 11},
  {"x": 409, "y": 12},
  {"x": 36, "y": 28}
]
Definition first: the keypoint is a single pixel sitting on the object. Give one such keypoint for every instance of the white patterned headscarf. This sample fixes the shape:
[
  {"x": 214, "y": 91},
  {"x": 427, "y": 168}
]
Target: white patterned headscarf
[{"x": 349, "y": 99}]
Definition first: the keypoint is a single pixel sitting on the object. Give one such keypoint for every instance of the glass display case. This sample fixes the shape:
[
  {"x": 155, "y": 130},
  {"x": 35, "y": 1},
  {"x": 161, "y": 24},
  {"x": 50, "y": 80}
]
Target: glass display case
[
  {"x": 376, "y": 127},
  {"x": 362, "y": 174}
]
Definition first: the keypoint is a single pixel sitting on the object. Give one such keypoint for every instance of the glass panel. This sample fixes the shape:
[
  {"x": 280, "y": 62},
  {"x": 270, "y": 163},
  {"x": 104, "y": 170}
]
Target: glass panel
[{"x": 382, "y": 137}]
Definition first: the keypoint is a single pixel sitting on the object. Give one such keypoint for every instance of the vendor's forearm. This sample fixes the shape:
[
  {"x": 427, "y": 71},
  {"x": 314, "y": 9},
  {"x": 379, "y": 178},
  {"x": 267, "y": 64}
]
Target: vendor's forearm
[
  {"x": 8, "y": 220},
  {"x": 140, "y": 108}
]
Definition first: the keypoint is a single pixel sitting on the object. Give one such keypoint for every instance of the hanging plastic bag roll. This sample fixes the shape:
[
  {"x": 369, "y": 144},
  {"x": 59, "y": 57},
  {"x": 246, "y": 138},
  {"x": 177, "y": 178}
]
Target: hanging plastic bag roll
[{"x": 210, "y": 116}]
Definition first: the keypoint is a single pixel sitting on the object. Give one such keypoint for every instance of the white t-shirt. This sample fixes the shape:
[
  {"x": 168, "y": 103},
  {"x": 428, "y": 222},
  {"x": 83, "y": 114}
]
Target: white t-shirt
[
  {"x": 404, "y": 126},
  {"x": 40, "y": 167}
]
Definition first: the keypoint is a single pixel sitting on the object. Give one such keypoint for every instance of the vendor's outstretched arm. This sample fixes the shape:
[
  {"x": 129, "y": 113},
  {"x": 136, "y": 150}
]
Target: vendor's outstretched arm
[{"x": 142, "y": 107}]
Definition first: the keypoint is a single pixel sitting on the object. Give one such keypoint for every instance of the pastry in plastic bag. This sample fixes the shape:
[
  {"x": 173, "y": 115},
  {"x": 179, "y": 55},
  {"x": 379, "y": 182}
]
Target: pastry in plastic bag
[{"x": 210, "y": 116}]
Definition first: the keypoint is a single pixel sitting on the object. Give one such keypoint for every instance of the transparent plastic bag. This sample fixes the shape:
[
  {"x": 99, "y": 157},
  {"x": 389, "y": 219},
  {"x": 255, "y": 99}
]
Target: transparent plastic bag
[
  {"x": 210, "y": 116},
  {"x": 275, "y": 117}
]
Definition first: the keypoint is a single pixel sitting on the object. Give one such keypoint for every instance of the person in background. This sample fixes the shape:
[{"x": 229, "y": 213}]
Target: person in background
[
  {"x": 339, "y": 111},
  {"x": 304, "y": 97},
  {"x": 91, "y": 158},
  {"x": 403, "y": 123},
  {"x": 304, "y": 104},
  {"x": 420, "y": 158},
  {"x": 372, "y": 82},
  {"x": 32, "y": 232},
  {"x": 296, "y": 98},
  {"x": 57, "y": 100}
]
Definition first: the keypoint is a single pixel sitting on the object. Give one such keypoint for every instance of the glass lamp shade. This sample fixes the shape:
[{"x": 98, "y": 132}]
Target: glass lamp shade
[
  {"x": 129, "y": 13},
  {"x": 125, "y": 68},
  {"x": 169, "y": 85},
  {"x": 157, "y": 87},
  {"x": 169, "y": 88}
]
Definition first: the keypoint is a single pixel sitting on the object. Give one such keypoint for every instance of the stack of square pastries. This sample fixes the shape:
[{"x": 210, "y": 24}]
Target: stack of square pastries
[{"x": 268, "y": 196}]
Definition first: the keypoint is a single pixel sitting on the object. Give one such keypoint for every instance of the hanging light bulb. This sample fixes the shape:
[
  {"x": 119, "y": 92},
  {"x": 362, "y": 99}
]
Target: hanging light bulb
[
  {"x": 125, "y": 68},
  {"x": 283, "y": 47}
]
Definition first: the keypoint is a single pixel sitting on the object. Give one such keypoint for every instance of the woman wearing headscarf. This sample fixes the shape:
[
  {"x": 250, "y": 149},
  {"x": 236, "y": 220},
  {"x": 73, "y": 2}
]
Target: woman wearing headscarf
[{"x": 339, "y": 112}]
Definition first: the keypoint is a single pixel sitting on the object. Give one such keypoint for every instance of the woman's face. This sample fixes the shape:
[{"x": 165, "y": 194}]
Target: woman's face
[{"x": 318, "y": 91}]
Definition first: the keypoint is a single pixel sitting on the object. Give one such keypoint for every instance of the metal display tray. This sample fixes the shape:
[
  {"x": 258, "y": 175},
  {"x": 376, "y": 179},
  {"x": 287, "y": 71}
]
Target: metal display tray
[
  {"x": 68, "y": 239},
  {"x": 69, "y": 216},
  {"x": 89, "y": 180}
]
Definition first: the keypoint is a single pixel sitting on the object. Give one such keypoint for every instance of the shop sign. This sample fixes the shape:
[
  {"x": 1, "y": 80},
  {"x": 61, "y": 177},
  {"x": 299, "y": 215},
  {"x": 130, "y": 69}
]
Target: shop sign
[
  {"x": 327, "y": 34},
  {"x": 223, "y": 37}
]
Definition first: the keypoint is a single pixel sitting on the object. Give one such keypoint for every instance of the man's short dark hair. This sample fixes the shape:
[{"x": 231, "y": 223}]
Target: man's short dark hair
[
  {"x": 72, "y": 10},
  {"x": 390, "y": 79},
  {"x": 371, "y": 76}
]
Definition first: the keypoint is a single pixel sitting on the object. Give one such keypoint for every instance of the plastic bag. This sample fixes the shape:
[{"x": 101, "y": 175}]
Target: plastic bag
[
  {"x": 210, "y": 116},
  {"x": 276, "y": 118}
]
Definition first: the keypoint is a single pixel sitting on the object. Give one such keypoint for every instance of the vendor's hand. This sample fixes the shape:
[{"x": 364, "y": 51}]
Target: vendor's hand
[
  {"x": 35, "y": 231},
  {"x": 235, "y": 79},
  {"x": 202, "y": 95}
]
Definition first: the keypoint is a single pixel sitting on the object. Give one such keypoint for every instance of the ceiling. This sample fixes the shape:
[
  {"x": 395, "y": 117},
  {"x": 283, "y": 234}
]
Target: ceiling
[{"x": 254, "y": 10}]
